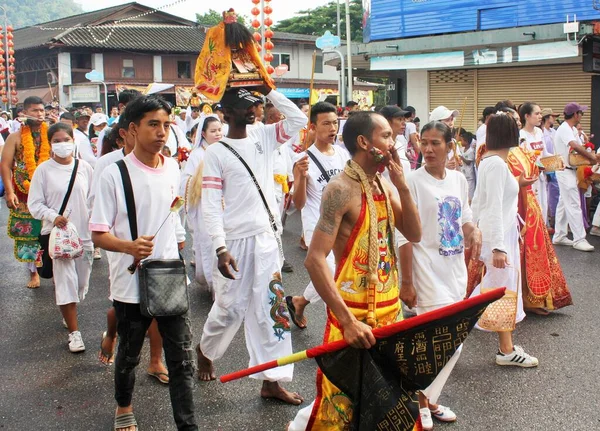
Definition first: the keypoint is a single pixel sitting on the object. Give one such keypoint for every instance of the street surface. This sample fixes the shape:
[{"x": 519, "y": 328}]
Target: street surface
[{"x": 45, "y": 387}]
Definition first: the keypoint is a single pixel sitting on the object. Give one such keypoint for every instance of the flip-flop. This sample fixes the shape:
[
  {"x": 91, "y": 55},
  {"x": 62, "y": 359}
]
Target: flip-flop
[
  {"x": 292, "y": 310},
  {"x": 108, "y": 357},
  {"x": 124, "y": 421},
  {"x": 161, "y": 377}
]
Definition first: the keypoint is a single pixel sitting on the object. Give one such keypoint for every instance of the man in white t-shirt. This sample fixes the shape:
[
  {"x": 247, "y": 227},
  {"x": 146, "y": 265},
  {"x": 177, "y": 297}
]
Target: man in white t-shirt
[
  {"x": 313, "y": 170},
  {"x": 156, "y": 368},
  {"x": 568, "y": 212},
  {"x": 155, "y": 183},
  {"x": 548, "y": 130},
  {"x": 396, "y": 117},
  {"x": 247, "y": 281}
]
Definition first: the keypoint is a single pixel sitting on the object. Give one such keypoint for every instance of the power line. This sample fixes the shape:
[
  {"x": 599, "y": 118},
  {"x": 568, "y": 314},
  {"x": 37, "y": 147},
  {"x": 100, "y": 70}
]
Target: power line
[{"x": 112, "y": 27}]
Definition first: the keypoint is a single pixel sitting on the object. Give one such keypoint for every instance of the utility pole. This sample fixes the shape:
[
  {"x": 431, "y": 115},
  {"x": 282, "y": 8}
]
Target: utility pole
[
  {"x": 342, "y": 84},
  {"x": 349, "y": 51}
]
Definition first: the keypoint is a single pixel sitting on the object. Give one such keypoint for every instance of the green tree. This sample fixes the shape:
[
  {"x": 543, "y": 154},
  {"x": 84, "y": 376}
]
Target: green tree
[
  {"x": 212, "y": 18},
  {"x": 25, "y": 13},
  {"x": 320, "y": 19}
]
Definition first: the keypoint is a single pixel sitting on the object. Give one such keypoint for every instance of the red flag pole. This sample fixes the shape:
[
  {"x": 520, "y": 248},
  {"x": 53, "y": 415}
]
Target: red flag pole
[{"x": 379, "y": 333}]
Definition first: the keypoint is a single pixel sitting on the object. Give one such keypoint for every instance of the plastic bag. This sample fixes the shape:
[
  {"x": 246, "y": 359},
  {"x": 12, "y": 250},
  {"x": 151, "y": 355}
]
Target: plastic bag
[{"x": 65, "y": 243}]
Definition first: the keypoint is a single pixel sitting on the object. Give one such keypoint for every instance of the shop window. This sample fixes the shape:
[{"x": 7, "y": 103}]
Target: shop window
[
  {"x": 81, "y": 61},
  {"x": 282, "y": 59},
  {"x": 319, "y": 64},
  {"x": 128, "y": 69},
  {"x": 184, "y": 69}
]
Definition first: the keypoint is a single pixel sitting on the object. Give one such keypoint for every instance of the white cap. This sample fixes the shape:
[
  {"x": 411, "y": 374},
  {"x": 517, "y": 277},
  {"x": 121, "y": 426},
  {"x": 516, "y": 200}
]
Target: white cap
[
  {"x": 442, "y": 113},
  {"x": 98, "y": 118}
]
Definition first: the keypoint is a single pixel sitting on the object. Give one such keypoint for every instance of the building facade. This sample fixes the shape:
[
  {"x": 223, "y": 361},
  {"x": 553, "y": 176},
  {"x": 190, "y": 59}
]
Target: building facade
[
  {"x": 133, "y": 46},
  {"x": 467, "y": 54}
]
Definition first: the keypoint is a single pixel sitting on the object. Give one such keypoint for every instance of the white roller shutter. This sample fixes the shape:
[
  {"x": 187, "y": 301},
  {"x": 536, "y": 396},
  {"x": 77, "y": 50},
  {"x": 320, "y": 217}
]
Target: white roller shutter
[
  {"x": 450, "y": 88},
  {"x": 551, "y": 86}
]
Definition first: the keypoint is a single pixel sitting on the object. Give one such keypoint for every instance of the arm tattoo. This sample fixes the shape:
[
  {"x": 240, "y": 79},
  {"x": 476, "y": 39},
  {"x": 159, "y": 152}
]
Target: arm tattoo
[{"x": 331, "y": 203}]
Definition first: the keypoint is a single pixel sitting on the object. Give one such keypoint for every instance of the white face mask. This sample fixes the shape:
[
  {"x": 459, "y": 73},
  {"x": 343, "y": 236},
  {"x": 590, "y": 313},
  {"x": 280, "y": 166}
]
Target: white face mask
[{"x": 62, "y": 149}]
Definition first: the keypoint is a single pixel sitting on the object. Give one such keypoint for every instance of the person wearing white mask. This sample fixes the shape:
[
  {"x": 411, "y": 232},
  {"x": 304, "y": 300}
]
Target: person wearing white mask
[{"x": 47, "y": 192}]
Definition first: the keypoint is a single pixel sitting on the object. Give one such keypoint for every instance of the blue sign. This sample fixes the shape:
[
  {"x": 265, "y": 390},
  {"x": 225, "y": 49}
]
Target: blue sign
[
  {"x": 294, "y": 93},
  {"x": 94, "y": 76},
  {"x": 328, "y": 41},
  {"x": 388, "y": 20}
]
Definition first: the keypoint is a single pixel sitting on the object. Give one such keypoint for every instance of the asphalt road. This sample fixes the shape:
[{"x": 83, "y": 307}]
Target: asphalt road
[{"x": 45, "y": 387}]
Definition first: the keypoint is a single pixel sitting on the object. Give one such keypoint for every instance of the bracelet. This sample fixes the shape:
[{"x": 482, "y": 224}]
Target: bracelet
[
  {"x": 498, "y": 250},
  {"x": 407, "y": 282},
  {"x": 221, "y": 251}
]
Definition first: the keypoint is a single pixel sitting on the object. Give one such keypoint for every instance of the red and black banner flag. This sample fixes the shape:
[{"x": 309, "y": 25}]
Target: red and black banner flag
[{"x": 382, "y": 382}]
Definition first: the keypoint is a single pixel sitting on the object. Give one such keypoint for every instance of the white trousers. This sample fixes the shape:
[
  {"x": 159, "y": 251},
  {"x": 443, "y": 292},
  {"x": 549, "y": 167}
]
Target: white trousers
[
  {"x": 433, "y": 391},
  {"x": 72, "y": 278},
  {"x": 540, "y": 188},
  {"x": 568, "y": 211},
  {"x": 203, "y": 249},
  {"x": 256, "y": 297},
  {"x": 596, "y": 220}
]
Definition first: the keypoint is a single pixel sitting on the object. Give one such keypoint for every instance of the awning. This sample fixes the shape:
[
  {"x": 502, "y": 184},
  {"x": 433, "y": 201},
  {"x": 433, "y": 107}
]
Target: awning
[{"x": 44, "y": 93}]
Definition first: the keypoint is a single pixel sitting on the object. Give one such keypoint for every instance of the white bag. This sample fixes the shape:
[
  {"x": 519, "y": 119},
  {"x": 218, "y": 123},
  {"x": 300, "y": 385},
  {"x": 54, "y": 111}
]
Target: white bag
[{"x": 65, "y": 243}]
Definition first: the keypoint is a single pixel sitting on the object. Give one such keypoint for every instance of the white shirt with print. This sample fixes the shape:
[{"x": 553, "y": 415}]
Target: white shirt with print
[{"x": 439, "y": 270}]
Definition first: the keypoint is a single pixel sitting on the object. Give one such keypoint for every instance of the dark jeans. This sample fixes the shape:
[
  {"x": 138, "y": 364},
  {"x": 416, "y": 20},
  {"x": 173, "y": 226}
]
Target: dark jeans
[{"x": 177, "y": 343}]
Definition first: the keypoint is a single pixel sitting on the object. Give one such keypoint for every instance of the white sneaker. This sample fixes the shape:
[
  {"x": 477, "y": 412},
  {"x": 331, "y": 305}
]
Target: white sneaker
[
  {"x": 426, "y": 420},
  {"x": 517, "y": 358},
  {"x": 97, "y": 254},
  {"x": 443, "y": 414},
  {"x": 76, "y": 342},
  {"x": 64, "y": 322},
  {"x": 595, "y": 230},
  {"x": 583, "y": 245},
  {"x": 562, "y": 241}
]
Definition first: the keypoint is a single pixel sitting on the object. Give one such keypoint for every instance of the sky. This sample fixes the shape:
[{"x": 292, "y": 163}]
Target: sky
[{"x": 282, "y": 9}]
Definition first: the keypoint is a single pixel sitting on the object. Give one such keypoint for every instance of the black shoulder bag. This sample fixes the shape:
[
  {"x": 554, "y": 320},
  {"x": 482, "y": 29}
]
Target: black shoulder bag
[
  {"x": 319, "y": 165},
  {"x": 45, "y": 271},
  {"x": 163, "y": 282},
  {"x": 262, "y": 197}
]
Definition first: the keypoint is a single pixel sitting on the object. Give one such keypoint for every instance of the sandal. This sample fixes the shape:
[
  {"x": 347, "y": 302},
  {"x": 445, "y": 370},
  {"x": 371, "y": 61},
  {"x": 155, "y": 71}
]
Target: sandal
[
  {"x": 107, "y": 358},
  {"x": 161, "y": 377},
  {"x": 292, "y": 310},
  {"x": 124, "y": 421}
]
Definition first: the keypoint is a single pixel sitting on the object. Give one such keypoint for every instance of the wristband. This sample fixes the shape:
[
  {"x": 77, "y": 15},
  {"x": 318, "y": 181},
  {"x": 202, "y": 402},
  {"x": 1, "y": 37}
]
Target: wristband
[
  {"x": 223, "y": 250},
  {"x": 498, "y": 250}
]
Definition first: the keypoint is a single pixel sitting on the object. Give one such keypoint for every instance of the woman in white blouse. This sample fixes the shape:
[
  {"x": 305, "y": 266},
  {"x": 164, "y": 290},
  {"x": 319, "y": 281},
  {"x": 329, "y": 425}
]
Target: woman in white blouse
[
  {"x": 495, "y": 212},
  {"x": 46, "y": 194},
  {"x": 434, "y": 274}
]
